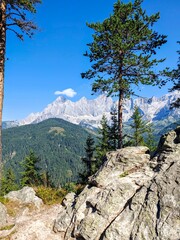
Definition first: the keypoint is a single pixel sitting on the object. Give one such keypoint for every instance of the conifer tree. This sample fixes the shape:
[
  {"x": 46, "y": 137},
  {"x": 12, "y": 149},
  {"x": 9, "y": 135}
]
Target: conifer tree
[
  {"x": 103, "y": 145},
  {"x": 13, "y": 17},
  {"x": 89, "y": 148},
  {"x": 88, "y": 159},
  {"x": 31, "y": 174},
  {"x": 122, "y": 53},
  {"x": 139, "y": 128},
  {"x": 8, "y": 182},
  {"x": 150, "y": 140}
]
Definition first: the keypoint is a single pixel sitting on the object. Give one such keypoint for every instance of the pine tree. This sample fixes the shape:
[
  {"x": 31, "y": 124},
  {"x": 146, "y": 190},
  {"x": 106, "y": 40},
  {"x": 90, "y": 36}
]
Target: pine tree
[
  {"x": 89, "y": 148},
  {"x": 13, "y": 17},
  {"x": 113, "y": 129},
  {"x": 88, "y": 159},
  {"x": 8, "y": 182},
  {"x": 150, "y": 140},
  {"x": 103, "y": 145},
  {"x": 31, "y": 174},
  {"x": 122, "y": 53},
  {"x": 139, "y": 128}
]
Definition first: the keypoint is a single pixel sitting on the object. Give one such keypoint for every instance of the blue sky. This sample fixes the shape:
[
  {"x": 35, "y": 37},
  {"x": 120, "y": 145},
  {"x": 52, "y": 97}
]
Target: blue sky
[{"x": 53, "y": 60}]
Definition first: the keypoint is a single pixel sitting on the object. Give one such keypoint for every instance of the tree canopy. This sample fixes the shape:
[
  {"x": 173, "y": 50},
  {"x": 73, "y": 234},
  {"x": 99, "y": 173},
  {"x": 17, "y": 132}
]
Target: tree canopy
[
  {"x": 16, "y": 16},
  {"x": 122, "y": 53}
]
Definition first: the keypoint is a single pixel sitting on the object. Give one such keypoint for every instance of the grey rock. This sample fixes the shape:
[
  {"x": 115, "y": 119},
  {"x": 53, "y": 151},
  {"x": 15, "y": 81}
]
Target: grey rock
[
  {"x": 64, "y": 217},
  {"x": 3, "y": 215},
  {"x": 132, "y": 197},
  {"x": 89, "y": 112},
  {"x": 26, "y": 195}
]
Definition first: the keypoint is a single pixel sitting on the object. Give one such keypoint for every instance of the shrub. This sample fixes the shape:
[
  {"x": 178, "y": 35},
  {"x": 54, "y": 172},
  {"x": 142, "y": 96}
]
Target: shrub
[{"x": 50, "y": 195}]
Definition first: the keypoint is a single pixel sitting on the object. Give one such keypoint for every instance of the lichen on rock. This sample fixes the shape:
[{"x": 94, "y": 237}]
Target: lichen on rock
[{"x": 143, "y": 204}]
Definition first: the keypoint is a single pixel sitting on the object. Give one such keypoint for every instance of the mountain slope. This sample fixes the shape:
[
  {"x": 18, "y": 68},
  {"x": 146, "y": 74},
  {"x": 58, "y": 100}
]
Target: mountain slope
[
  {"x": 90, "y": 112},
  {"x": 58, "y": 143}
]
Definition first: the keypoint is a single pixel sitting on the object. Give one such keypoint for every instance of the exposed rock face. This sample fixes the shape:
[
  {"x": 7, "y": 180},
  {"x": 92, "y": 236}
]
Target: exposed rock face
[
  {"x": 26, "y": 195},
  {"x": 89, "y": 112},
  {"x": 130, "y": 198},
  {"x": 3, "y": 215},
  {"x": 36, "y": 225}
]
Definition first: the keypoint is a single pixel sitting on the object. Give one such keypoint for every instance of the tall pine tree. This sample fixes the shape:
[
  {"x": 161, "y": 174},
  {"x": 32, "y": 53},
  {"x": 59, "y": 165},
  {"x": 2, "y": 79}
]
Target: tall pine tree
[{"x": 122, "y": 53}]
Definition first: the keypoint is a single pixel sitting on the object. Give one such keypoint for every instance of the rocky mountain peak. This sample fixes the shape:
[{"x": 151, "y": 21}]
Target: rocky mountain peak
[
  {"x": 90, "y": 112},
  {"x": 60, "y": 99}
]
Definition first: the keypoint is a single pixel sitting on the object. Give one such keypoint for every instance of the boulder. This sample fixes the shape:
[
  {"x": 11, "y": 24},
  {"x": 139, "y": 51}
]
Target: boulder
[
  {"x": 26, "y": 195},
  {"x": 129, "y": 197}
]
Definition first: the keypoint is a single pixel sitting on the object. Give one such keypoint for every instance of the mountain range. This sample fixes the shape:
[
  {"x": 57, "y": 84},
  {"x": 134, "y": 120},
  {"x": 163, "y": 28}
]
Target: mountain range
[
  {"x": 60, "y": 143},
  {"x": 89, "y": 112}
]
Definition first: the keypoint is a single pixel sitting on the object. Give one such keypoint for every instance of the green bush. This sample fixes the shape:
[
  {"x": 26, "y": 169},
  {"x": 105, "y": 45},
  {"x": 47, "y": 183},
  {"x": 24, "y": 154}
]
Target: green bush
[{"x": 50, "y": 195}]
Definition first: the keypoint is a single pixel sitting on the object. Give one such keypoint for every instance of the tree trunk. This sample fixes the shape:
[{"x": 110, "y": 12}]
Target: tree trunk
[
  {"x": 2, "y": 62},
  {"x": 120, "y": 125}
]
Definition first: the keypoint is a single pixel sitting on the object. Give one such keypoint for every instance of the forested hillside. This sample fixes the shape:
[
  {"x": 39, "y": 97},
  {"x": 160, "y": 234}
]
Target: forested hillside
[{"x": 58, "y": 143}]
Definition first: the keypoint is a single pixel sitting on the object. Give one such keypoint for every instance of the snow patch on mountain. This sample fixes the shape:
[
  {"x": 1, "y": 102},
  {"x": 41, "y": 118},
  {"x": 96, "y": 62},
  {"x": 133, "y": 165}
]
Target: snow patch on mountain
[{"x": 90, "y": 112}]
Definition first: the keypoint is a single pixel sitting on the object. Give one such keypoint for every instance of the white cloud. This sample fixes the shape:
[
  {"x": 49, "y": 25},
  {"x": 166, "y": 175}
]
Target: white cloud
[{"x": 69, "y": 92}]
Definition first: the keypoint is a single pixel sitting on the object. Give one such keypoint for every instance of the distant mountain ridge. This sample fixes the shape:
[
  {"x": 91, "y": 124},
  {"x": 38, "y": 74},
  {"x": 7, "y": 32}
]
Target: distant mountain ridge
[
  {"x": 59, "y": 145},
  {"x": 90, "y": 112}
]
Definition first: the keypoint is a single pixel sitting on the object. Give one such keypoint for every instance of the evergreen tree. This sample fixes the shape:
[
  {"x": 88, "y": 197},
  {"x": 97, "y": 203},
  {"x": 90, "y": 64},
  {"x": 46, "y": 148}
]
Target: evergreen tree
[
  {"x": 89, "y": 148},
  {"x": 103, "y": 145},
  {"x": 139, "y": 128},
  {"x": 88, "y": 159},
  {"x": 8, "y": 182},
  {"x": 13, "y": 17},
  {"x": 122, "y": 53},
  {"x": 150, "y": 140},
  {"x": 113, "y": 129},
  {"x": 31, "y": 174}
]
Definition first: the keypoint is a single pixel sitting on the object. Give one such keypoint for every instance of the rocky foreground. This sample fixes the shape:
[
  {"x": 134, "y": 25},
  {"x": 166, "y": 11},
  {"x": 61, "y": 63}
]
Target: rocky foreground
[{"x": 132, "y": 197}]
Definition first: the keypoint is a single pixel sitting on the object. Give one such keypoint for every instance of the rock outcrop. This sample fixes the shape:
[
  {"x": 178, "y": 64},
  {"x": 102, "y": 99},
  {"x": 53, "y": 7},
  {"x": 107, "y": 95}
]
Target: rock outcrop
[
  {"x": 26, "y": 195},
  {"x": 132, "y": 197}
]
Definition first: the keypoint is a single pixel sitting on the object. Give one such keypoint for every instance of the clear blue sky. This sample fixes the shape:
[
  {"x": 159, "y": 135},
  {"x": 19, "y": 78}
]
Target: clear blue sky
[{"x": 53, "y": 60}]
